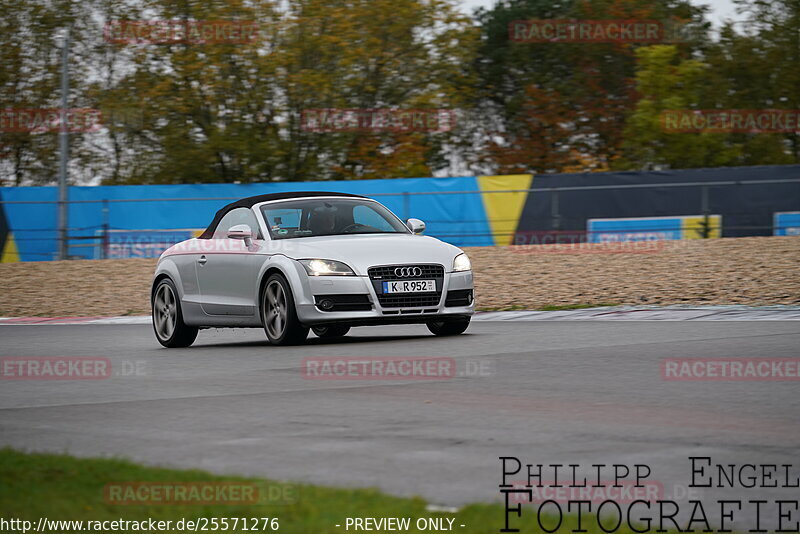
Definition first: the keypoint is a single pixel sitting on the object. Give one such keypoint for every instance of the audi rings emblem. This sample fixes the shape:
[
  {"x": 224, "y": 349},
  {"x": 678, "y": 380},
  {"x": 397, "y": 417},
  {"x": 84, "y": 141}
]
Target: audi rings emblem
[{"x": 407, "y": 272}]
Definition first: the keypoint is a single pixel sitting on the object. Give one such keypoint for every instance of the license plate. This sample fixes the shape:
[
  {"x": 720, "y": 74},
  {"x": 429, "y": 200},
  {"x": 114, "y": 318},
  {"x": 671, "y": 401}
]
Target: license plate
[{"x": 409, "y": 286}]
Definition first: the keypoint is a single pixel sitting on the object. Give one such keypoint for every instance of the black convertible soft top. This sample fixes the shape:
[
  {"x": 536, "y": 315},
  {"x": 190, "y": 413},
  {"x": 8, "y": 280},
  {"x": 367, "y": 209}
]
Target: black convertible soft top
[{"x": 249, "y": 202}]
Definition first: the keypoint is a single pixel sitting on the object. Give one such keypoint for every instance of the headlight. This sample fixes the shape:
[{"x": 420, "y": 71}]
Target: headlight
[
  {"x": 326, "y": 268},
  {"x": 461, "y": 263}
]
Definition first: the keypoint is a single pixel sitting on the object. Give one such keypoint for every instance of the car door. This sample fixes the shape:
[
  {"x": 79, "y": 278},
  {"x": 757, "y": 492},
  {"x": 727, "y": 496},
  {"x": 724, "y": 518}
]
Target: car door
[{"x": 227, "y": 271}]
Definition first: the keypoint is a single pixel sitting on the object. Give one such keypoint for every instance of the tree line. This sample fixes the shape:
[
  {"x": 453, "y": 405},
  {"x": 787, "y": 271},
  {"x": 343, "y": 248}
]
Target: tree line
[{"x": 231, "y": 104}]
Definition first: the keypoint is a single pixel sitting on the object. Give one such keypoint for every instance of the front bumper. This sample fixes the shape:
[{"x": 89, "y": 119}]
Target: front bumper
[{"x": 310, "y": 313}]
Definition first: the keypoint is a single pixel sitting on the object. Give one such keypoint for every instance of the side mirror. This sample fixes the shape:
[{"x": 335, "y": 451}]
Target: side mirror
[
  {"x": 241, "y": 231},
  {"x": 415, "y": 225}
]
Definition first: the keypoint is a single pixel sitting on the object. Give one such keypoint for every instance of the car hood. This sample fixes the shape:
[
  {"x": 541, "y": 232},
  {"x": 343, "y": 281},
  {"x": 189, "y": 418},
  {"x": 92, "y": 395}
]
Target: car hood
[{"x": 361, "y": 252}]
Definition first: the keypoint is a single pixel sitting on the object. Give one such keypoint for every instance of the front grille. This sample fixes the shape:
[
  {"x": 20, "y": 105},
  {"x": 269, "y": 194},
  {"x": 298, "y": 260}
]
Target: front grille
[
  {"x": 386, "y": 272},
  {"x": 458, "y": 297},
  {"x": 408, "y": 300},
  {"x": 345, "y": 302}
]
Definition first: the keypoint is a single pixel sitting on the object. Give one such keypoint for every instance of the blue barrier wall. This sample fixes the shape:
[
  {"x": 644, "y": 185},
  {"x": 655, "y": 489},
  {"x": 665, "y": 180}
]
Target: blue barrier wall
[
  {"x": 458, "y": 218},
  {"x": 465, "y": 211}
]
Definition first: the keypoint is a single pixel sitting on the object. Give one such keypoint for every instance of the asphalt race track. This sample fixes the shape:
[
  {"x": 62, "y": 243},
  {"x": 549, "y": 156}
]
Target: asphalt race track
[{"x": 549, "y": 392}]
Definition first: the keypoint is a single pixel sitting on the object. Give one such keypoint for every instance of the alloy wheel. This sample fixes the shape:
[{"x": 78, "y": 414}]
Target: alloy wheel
[
  {"x": 165, "y": 311},
  {"x": 275, "y": 309}
]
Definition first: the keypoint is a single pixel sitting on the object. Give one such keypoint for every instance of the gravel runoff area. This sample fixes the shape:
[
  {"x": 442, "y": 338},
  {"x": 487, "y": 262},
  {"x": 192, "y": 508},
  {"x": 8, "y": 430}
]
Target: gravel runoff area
[{"x": 753, "y": 271}]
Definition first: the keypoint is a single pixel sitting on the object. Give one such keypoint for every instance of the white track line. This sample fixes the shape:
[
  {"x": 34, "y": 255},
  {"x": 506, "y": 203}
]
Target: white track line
[
  {"x": 652, "y": 313},
  {"x": 607, "y": 313}
]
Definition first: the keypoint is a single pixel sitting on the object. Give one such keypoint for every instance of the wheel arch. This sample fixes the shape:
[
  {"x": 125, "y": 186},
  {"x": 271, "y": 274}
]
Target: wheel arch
[
  {"x": 289, "y": 269},
  {"x": 159, "y": 277},
  {"x": 166, "y": 269},
  {"x": 263, "y": 283}
]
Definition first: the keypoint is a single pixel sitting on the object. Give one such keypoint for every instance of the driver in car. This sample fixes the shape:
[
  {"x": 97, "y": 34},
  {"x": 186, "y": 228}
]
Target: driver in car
[{"x": 323, "y": 220}]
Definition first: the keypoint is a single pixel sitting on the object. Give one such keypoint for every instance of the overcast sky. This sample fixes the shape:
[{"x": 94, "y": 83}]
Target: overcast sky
[{"x": 720, "y": 9}]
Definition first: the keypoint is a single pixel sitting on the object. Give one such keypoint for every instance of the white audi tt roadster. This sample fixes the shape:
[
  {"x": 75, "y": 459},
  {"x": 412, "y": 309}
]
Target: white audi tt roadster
[{"x": 290, "y": 262}]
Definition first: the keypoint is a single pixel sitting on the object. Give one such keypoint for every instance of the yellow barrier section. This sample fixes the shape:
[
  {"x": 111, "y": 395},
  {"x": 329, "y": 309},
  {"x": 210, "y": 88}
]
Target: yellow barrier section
[
  {"x": 693, "y": 227},
  {"x": 503, "y": 210},
  {"x": 9, "y": 253}
]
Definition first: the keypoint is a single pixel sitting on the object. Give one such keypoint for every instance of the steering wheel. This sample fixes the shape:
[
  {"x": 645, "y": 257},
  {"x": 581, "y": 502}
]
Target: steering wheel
[{"x": 353, "y": 226}]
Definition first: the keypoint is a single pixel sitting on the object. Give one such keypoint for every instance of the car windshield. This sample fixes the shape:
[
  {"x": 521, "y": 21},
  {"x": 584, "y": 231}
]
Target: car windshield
[{"x": 329, "y": 216}]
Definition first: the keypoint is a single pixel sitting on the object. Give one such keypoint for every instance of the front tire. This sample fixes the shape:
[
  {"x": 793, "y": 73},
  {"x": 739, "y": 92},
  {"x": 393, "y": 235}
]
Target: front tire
[
  {"x": 330, "y": 331},
  {"x": 278, "y": 314},
  {"x": 168, "y": 323},
  {"x": 448, "y": 328}
]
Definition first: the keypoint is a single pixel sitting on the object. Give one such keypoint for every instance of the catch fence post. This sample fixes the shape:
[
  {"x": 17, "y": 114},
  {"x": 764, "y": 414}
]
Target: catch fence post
[{"x": 104, "y": 251}]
